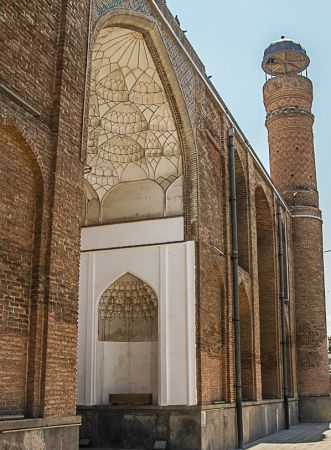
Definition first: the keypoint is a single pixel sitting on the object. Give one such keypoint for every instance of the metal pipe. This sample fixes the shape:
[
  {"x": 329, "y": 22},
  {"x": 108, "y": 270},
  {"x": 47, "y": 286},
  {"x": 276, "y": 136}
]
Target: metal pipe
[
  {"x": 235, "y": 286},
  {"x": 282, "y": 299},
  {"x": 20, "y": 100}
]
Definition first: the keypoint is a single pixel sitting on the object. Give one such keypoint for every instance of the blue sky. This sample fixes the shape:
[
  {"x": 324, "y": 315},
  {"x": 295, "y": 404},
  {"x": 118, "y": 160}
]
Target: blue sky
[{"x": 230, "y": 37}]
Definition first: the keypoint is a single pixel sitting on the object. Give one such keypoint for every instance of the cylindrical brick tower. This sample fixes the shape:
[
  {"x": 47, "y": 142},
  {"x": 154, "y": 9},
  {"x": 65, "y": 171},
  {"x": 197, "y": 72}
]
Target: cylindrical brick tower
[{"x": 288, "y": 97}]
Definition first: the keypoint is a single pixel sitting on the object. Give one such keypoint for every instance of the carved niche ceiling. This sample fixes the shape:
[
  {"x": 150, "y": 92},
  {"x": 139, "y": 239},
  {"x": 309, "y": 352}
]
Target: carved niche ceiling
[
  {"x": 128, "y": 311},
  {"x": 132, "y": 132}
]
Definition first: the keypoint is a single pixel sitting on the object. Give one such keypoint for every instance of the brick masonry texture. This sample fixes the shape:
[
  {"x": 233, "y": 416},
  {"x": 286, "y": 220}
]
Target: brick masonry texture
[
  {"x": 42, "y": 61},
  {"x": 18, "y": 217},
  {"x": 41, "y": 172},
  {"x": 288, "y": 101}
]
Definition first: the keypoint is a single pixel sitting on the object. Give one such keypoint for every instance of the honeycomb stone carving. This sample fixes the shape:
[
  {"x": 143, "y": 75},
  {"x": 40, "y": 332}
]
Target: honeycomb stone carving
[
  {"x": 128, "y": 311},
  {"x": 132, "y": 133}
]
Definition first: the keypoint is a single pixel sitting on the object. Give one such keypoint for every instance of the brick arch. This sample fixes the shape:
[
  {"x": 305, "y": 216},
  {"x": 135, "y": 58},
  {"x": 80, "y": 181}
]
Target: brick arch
[
  {"x": 285, "y": 257},
  {"x": 149, "y": 28},
  {"x": 268, "y": 311},
  {"x": 289, "y": 359},
  {"x": 213, "y": 339},
  {"x": 21, "y": 201},
  {"x": 246, "y": 346},
  {"x": 242, "y": 214},
  {"x": 13, "y": 127}
]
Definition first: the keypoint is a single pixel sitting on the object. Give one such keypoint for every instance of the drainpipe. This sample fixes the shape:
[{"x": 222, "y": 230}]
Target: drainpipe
[
  {"x": 282, "y": 299},
  {"x": 235, "y": 287}
]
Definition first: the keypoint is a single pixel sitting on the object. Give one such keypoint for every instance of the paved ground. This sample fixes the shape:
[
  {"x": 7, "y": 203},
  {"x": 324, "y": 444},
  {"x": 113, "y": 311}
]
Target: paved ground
[{"x": 300, "y": 437}]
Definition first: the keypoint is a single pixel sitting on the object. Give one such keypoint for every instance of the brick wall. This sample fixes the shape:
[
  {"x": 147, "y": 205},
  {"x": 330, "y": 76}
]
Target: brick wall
[
  {"x": 19, "y": 212},
  {"x": 310, "y": 308},
  {"x": 212, "y": 308},
  {"x": 246, "y": 346},
  {"x": 43, "y": 62},
  {"x": 257, "y": 240}
]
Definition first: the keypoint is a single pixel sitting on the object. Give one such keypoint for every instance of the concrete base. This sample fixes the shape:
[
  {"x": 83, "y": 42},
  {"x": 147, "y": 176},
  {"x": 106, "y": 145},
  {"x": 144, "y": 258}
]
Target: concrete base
[
  {"x": 211, "y": 427},
  {"x": 315, "y": 409},
  {"x": 219, "y": 430},
  {"x": 52, "y": 433}
]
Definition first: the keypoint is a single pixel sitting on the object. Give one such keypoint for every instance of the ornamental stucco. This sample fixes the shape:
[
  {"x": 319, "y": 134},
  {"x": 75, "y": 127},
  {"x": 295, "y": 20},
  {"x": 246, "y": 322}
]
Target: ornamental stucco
[{"x": 182, "y": 68}]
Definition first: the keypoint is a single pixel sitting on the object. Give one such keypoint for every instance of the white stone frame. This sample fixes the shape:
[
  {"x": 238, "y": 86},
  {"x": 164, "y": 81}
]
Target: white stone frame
[{"x": 177, "y": 349}]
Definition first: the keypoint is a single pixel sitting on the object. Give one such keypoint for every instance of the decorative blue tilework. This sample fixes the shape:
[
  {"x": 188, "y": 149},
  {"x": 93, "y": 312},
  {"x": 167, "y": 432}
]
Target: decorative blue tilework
[
  {"x": 183, "y": 69},
  {"x": 136, "y": 5}
]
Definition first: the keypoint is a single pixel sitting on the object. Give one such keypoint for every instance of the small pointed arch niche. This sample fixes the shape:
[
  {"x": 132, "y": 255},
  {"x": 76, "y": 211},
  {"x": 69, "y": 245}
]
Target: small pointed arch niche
[
  {"x": 128, "y": 311},
  {"x": 133, "y": 140},
  {"x": 246, "y": 345},
  {"x": 242, "y": 214}
]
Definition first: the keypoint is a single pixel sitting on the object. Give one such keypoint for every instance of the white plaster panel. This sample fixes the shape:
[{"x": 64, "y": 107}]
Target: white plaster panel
[
  {"x": 176, "y": 318},
  {"x": 170, "y": 271},
  {"x": 130, "y": 234},
  {"x": 129, "y": 367},
  {"x": 81, "y": 367},
  {"x": 134, "y": 200}
]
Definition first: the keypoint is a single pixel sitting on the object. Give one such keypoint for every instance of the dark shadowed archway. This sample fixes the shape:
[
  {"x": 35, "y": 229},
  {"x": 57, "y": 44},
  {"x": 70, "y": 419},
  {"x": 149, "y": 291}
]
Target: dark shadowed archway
[
  {"x": 242, "y": 215},
  {"x": 267, "y": 297},
  {"x": 246, "y": 346}
]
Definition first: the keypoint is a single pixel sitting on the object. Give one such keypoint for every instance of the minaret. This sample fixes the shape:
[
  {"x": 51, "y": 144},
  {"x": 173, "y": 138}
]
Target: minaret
[{"x": 288, "y": 96}]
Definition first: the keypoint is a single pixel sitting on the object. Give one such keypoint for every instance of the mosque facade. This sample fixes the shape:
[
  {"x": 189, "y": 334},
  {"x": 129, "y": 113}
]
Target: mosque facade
[{"x": 159, "y": 289}]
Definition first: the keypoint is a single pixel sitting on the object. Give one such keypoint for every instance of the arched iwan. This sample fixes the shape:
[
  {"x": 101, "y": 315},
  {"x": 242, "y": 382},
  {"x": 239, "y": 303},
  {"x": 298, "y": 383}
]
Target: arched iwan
[{"x": 134, "y": 147}]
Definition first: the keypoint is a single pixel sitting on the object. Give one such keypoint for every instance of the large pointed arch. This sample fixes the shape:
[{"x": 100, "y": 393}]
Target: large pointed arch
[
  {"x": 21, "y": 205},
  {"x": 289, "y": 355},
  {"x": 149, "y": 29},
  {"x": 246, "y": 346},
  {"x": 242, "y": 214},
  {"x": 268, "y": 310}
]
